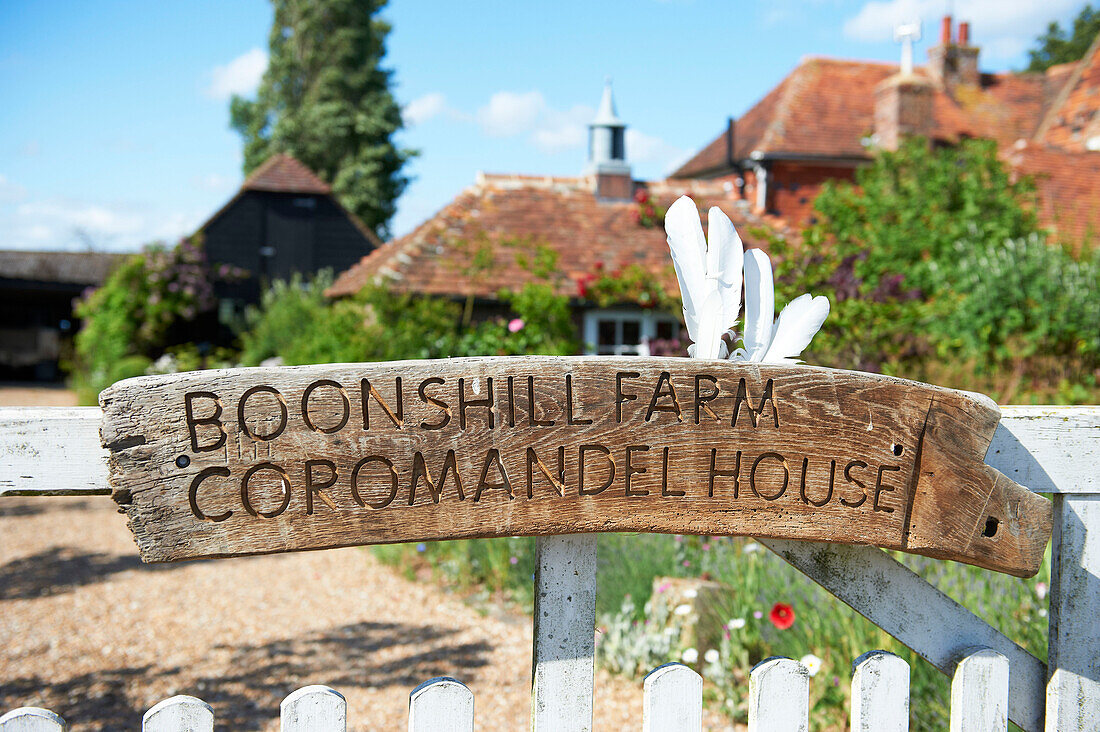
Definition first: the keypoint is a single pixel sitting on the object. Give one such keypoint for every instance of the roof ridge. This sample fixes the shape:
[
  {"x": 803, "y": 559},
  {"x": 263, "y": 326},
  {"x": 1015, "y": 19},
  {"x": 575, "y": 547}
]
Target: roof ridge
[{"x": 1067, "y": 89}]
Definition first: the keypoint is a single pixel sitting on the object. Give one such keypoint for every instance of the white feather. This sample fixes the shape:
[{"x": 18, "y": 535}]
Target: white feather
[
  {"x": 709, "y": 342},
  {"x": 759, "y": 304},
  {"x": 795, "y": 328},
  {"x": 725, "y": 258},
  {"x": 689, "y": 250}
]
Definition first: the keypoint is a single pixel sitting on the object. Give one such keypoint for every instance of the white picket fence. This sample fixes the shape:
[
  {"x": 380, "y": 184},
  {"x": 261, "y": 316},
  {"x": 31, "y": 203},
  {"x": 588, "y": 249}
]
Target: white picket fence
[
  {"x": 1052, "y": 450},
  {"x": 779, "y": 701}
]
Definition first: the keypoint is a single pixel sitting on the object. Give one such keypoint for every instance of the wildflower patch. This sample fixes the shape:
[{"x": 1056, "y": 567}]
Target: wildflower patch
[{"x": 249, "y": 461}]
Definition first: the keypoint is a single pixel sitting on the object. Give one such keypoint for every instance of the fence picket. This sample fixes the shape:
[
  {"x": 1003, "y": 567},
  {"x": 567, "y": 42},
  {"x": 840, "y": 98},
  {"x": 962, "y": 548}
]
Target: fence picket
[
  {"x": 441, "y": 705},
  {"x": 880, "y": 693},
  {"x": 979, "y": 693},
  {"x": 32, "y": 719},
  {"x": 565, "y": 638},
  {"x": 673, "y": 700},
  {"x": 314, "y": 709},
  {"x": 179, "y": 714},
  {"x": 779, "y": 696}
]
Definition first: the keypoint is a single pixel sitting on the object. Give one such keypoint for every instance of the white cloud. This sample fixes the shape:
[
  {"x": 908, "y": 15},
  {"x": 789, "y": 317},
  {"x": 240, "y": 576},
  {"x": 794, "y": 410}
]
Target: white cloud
[
  {"x": 215, "y": 182},
  {"x": 644, "y": 149},
  {"x": 60, "y": 224},
  {"x": 240, "y": 76},
  {"x": 1002, "y": 28},
  {"x": 510, "y": 113},
  {"x": 423, "y": 108},
  {"x": 11, "y": 192},
  {"x": 556, "y": 131}
]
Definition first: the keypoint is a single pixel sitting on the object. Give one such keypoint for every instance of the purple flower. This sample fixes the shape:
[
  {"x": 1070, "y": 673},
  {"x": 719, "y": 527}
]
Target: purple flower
[
  {"x": 514, "y": 560},
  {"x": 421, "y": 547}
]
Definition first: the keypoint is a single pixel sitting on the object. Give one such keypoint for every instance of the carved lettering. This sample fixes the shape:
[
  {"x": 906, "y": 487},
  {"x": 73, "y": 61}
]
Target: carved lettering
[
  {"x": 367, "y": 390},
  {"x": 442, "y": 405},
  {"x": 486, "y": 402},
  {"x": 862, "y": 488},
  {"x": 556, "y": 479},
  {"x": 242, "y": 423},
  {"x": 584, "y": 450},
  {"x": 193, "y": 422},
  {"x": 622, "y": 397},
  {"x": 786, "y": 476},
  {"x": 284, "y": 483},
  {"x": 743, "y": 398},
  {"x": 881, "y": 488},
  {"x": 345, "y": 406},
  {"x": 493, "y": 458},
  {"x": 420, "y": 470},
  {"x": 358, "y": 497},
  {"x": 193, "y": 495},
  {"x": 664, "y": 390},
  {"x": 630, "y": 470}
]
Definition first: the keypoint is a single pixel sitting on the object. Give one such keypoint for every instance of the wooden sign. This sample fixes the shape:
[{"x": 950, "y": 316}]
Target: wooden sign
[{"x": 252, "y": 461}]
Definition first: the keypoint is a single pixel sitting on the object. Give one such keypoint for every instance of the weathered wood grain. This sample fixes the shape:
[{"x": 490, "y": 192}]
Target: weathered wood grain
[
  {"x": 979, "y": 693},
  {"x": 313, "y": 709},
  {"x": 247, "y": 461},
  {"x": 52, "y": 450},
  {"x": 179, "y": 714},
  {"x": 880, "y": 693},
  {"x": 32, "y": 719},
  {"x": 441, "y": 704},
  {"x": 673, "y": 700},
  {"x": 779, "y": 696}
]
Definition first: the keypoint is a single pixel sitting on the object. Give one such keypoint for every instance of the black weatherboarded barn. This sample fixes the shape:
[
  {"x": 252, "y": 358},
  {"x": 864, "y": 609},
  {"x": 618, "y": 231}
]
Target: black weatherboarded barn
[{"x": 284, "y": 220}]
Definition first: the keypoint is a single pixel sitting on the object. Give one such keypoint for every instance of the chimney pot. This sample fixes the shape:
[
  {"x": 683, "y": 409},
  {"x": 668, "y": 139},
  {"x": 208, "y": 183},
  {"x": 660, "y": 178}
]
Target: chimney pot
[
  {"x": 964, "y": 34},
  {"x": 945, "y": 31}
]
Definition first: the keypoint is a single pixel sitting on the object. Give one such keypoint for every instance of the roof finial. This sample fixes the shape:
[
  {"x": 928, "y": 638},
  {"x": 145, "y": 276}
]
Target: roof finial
[{"x": 906, "y": 34}]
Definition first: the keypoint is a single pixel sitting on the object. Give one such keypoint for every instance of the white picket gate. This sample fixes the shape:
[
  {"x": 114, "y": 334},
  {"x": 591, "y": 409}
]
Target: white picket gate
[
  {"x": 779, "y": 693},
  {"x": 1049, "y": 449}
]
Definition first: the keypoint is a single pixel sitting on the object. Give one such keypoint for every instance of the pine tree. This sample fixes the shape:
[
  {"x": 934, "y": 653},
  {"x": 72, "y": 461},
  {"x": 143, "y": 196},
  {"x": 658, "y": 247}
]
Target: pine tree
[
  {"x": 325, "y": 99},
  {"x": 1056, "y": 47}
]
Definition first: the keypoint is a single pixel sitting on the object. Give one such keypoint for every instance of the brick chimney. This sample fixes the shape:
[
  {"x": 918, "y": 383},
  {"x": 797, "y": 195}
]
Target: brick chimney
[
  {"x": 903, "y": 108},
  {"x": 954, "y": 63}
]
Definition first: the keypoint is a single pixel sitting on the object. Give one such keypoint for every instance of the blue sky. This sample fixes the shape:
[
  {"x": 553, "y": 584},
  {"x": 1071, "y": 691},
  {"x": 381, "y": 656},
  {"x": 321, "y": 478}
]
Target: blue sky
[{"x": 114, "y": 115}]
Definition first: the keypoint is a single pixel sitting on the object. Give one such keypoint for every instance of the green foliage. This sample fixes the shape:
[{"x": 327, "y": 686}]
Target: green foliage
[
  {"x": 636, "y": 633},
  {"x": 632, "y": 284},
  {"x": 126, "y": 322},
  {"x": 297, "y": 323},
  {"x": 1056, "y": 46},
  {"x": 934, "y": 259},
  {"x": 325, "y": 99}
]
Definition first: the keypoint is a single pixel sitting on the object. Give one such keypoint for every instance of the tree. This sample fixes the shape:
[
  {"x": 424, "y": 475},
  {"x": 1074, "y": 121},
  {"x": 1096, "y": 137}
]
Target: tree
[
  {"x": 1056, "y": 47},
  {"x": 325, "y": 99}
]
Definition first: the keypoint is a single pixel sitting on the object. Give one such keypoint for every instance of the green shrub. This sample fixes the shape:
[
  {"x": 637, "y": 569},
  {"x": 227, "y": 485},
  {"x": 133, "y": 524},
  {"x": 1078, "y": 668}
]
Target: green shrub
[{"x": 126, "y": 322}]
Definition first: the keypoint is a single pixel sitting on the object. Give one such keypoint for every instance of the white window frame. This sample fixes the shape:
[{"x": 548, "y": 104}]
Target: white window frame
[{"x": 647, "y": 321}]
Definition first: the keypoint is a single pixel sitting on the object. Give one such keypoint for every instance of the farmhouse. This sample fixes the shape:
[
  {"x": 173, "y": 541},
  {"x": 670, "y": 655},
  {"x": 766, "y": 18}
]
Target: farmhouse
[
  {"x": 37, "y": 290},
  {"x": 283, "y": 221},
  {"x": 827, "y": 116},
  {"x": 476, "y": 245}
]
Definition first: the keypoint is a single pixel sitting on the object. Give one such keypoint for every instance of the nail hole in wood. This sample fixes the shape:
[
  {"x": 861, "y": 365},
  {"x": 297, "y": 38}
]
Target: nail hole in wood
[
  {"x": 898, "y": 449},
  {"x": 991, "y": 525},
  {"x": 183, "y": 461}
]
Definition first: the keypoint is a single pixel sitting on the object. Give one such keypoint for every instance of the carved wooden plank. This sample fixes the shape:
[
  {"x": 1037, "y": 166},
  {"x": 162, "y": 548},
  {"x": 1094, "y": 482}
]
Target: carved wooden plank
[
  {"x": 247, "y": 461},
  {"x": 32, "y": 719},
  {"x": 1073, "y": 693},
  {"x": 441, "y": 705},
  {"x": 880, "y": 693},
  {"x": 179, "y": 714},
  {"x": 779, "y": 696},
  {"x": 565, "y": 633},
  {"x": 903, "y": 604},
  {"x": 673, "y": 700},
  {"x": 979, "y": 693},
  {"x": 314, "y": 708},
  {"x": 52, "y": 450}
]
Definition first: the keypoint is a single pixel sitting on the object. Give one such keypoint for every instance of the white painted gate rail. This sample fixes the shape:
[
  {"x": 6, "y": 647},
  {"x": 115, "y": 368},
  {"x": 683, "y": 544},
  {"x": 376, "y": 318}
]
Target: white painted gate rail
[{"x": 1053, "y": 450}]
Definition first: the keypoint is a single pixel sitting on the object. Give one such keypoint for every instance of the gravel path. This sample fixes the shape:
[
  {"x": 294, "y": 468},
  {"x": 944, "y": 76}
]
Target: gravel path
[{"x": 90, "y": 632}]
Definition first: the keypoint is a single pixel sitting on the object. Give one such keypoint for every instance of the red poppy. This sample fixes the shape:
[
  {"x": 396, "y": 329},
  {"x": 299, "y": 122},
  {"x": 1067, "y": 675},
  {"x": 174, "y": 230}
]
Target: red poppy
[
  {"x": 782, "y": 615},
  {"x": 641, "y": 195}
]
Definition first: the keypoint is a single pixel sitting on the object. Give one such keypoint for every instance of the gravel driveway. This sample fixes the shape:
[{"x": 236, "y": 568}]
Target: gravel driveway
[{"x": 90, "y": 632}]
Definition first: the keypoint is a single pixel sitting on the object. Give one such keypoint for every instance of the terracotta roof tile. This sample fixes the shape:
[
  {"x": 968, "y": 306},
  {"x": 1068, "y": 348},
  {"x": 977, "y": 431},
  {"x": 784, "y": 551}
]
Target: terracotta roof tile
[
  {"x": 505, "y": 217},
  {"x": 282, "y": 173},
  {"x": 1074, "y": 117},
  {"x": 826, "y": 107},
  {"x": 1069, "y": 193}
]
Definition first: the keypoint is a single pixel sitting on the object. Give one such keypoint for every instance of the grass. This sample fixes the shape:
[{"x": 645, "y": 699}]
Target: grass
[{"x": 756, "y": 580}]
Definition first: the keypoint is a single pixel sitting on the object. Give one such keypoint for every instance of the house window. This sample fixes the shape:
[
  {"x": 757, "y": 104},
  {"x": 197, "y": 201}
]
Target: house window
[{"x": 626, "y": 332}]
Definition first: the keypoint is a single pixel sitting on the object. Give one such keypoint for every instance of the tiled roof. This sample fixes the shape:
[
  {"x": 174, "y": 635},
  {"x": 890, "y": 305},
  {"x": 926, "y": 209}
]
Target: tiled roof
[
  {"x": 282, "y": 173},
  {"x": 1074, "y": 116},
  {"x": 71, "y": 268},
  {"x": 506, "y": 216},
  {"x": 825, "y": 108},
  {"x": 1069, "y": 188}
]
